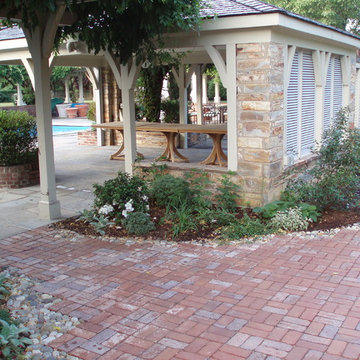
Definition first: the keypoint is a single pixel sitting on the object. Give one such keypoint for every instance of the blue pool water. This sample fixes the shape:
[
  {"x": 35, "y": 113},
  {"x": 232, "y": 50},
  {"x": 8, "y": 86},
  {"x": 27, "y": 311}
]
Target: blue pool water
[{"x": 57, "y": 129}]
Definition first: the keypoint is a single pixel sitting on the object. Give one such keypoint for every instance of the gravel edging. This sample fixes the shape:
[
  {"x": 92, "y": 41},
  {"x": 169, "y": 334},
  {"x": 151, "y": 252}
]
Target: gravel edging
[{"x": 31, "y": 309}]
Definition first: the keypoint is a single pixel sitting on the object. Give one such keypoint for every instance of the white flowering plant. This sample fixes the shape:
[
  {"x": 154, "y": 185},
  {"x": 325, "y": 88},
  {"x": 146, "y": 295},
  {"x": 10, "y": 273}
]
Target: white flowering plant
[{"x": 121, "y": 196}]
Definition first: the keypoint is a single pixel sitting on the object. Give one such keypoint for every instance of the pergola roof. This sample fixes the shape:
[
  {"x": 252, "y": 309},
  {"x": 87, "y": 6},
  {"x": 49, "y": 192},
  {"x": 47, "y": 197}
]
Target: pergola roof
[{"x": 218, "y": 8}]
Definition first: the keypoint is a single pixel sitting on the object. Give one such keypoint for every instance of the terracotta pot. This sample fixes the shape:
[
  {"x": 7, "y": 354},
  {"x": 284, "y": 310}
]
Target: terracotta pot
[
  {"x": 82, "y": 110},
  {"x": 72, "y": 112}
]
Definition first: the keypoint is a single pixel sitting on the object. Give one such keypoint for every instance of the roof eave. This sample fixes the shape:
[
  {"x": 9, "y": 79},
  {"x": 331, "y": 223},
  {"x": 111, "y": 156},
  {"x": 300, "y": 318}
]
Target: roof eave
[{"x": 291, "y": 22}]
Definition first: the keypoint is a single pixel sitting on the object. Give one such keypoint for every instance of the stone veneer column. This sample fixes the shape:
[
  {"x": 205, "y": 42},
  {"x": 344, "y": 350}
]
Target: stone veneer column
[
  {"x": 260, "y": 78},
  {"x": 353, "y": 95}
]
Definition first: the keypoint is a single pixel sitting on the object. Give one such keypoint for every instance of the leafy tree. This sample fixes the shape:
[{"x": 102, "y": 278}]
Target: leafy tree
[
  {"x": 125, "y": 27},
  {"x": 331, "y": 12},
  {"x": 58, "y": 75},
  {"x": 10, "y": 76},
  {"x": 151, "y": 81}
]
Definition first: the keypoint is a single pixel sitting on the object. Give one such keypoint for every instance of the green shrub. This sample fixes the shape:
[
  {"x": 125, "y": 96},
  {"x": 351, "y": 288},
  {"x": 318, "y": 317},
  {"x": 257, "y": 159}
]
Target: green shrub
[
  {"x": 290, "y": 220},
  {"x": 13, "y": 340},
  {"x": 269, "y": 210},
  {"x": 170, "y": 191},
  {"x": 227, "y": 194},
  {"x": 138, "y": 223},
  {"x": 121, "y": 195},
  {"x": 4, "y": 286},
  {"x": 29, "y": 95},
  {"x": 333, "y": 182},
  {"x": 18, "y": 138},
  {"x": 6, "y": 96},
  {"x": 199, "y": 184},
  {"x": 182, "y": 219},
  {"x": 91, "y": 115},
  {"x": 244, "y": 228}
]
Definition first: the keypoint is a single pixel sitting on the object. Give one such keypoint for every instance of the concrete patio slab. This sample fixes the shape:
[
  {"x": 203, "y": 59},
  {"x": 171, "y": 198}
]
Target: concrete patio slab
[
  {"x": 291, "y": 298},
  {"x": 77, "y": 169}
]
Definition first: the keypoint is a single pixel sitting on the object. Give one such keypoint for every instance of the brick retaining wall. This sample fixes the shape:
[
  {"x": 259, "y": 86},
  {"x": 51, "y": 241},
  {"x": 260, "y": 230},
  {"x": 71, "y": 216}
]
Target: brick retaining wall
[
  {"x": 87, "y": 137},
  {"x": 17, "y": 176},
  {"x": 28, "y": 108}
]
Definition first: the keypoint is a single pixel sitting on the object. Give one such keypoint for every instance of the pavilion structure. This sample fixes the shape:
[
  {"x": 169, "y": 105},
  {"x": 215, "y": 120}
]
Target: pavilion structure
[{"x": 286, "y": 76}]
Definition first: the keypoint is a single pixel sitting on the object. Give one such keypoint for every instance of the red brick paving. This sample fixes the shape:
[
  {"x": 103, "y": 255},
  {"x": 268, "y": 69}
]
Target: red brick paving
[{"x": 291, "y": 298}]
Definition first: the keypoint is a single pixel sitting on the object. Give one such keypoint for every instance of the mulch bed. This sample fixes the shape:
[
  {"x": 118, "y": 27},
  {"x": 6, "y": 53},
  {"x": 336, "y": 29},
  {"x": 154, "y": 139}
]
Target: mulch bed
[
  {"x": 329, "y": 220},
  {"x": 336, "y": 218}
]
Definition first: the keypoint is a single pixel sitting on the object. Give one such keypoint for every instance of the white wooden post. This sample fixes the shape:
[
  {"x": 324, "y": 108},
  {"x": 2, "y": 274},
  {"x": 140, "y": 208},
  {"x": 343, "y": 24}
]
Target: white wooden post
[
  {"x": 217, "y": 99},
  {"x": 95, "y": 77},
  {"x": 227, "y": 72},
  {"x": 125, "y": 76},
  {"x": 67, "y": 90},
  {"x": 232, "y": 131},
  {"x": 81, "y": 88},
  {"x": 205, "y": 99},
  {"x": 193, "y": 93},
  {"x": 199, "y": 105},
  {"x": 40, "y": 42},
  {"x": 20, "y": 100},
  {"x": 183, "y": 79}
]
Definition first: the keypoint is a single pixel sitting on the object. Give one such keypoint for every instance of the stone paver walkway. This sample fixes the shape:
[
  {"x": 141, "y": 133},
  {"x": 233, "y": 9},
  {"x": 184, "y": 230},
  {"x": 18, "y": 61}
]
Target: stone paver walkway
[{"x": 291, "y": 298}]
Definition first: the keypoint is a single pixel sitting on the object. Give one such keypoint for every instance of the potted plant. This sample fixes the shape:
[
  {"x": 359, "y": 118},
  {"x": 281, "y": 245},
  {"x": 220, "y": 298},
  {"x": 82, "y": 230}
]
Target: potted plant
[{"x": 19, "y": 165}]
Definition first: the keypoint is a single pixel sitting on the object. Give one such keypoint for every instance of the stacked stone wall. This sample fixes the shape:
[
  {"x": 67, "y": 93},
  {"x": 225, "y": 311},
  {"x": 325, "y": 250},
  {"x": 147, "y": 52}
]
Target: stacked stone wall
[{"x": 260, "y": 98}]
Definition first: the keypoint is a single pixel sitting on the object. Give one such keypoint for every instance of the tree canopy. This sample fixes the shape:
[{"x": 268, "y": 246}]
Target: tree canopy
[
  {"x": 125, "y": 27},
  {"x": 331, "y": 12}
]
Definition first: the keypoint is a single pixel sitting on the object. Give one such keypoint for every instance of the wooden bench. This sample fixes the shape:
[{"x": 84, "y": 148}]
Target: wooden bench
[{"x": 216, "y": 132}]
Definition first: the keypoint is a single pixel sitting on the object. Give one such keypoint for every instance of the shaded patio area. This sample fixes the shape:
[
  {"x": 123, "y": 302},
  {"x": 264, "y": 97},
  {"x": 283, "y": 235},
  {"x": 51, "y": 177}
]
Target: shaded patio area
[
  {"x": 290, "y": 298},
  {"x": 77, "y": 168}
]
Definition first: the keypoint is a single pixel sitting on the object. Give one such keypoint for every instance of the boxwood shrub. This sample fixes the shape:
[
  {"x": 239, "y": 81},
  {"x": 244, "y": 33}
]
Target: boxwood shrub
[{"x": 18, "y": 138}]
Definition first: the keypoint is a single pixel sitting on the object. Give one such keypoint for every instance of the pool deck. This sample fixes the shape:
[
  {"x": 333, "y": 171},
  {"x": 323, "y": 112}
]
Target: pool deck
[{"x": 72, "y": 122}]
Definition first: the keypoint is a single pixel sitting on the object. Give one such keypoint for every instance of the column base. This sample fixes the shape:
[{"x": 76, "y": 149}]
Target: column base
[{"x": 49, "y": 211}]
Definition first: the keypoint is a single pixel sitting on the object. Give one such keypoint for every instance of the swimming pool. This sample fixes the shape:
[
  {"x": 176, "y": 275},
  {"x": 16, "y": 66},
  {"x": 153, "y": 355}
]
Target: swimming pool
[{"x": 61, "y": 129}]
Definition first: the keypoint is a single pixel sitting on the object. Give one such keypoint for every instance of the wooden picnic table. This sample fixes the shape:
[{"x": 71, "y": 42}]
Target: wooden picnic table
[{"x": 216, "y": 132}]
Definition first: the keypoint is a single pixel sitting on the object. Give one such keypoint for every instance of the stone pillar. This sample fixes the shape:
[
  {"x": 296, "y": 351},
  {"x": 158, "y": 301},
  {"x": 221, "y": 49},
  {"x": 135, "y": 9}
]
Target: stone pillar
[
  {"x": 260, "y": 69},
  {"x": 357, "y": 97},
  {"x": 353, "y": 92}
]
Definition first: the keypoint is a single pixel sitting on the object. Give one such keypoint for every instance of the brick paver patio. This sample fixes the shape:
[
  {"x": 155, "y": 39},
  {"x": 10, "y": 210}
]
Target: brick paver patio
[{"x": 291, "y": 298}]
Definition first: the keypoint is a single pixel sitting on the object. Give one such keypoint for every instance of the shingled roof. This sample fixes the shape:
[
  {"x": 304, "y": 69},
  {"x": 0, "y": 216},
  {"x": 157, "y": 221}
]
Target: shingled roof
[
  {"x": 223, "y": 8},
  {"x": 216, "y": 8},
  {"x": 11, "y": 33}
]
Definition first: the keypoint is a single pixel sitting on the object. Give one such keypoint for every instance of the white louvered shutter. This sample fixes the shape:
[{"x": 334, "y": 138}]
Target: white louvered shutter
[
  {"x": 292, "y": 113},
  {"x": 307, "y": 105},
  {"x": 338, "y": 87},
  {"x": 328, "y": 96}
]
